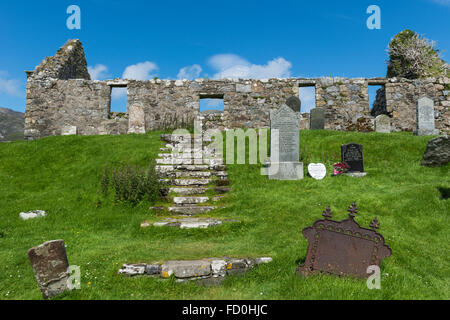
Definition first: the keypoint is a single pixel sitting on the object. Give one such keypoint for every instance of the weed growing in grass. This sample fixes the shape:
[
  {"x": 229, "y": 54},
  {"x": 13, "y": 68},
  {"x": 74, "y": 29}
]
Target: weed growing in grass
[{"x": 133, "y": 184}]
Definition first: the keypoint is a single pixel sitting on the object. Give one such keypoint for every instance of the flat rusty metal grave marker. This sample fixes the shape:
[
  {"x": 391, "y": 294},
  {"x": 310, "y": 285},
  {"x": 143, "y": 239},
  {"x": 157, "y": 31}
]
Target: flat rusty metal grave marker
[{"x": 343, "y": 248}]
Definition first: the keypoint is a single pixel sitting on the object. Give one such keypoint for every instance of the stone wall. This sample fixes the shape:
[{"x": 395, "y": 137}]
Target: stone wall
[
  {"x": 346, "y": 103},
  {"x": 402, "y": 96},
  {"x": 60, "y": 94}
]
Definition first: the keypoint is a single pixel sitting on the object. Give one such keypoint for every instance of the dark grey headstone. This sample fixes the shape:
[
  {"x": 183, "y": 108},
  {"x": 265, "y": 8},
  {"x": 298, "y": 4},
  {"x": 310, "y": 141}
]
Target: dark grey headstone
[
  {"x": 317, "y": 119},
  {"x": 352, "y": 154},
  {"x": 294, "y": 103}
]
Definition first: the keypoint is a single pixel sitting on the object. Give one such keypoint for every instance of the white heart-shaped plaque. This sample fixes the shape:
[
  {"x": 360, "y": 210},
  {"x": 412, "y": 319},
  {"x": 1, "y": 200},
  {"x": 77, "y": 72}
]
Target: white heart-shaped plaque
[{"x": 317, "y": 170}]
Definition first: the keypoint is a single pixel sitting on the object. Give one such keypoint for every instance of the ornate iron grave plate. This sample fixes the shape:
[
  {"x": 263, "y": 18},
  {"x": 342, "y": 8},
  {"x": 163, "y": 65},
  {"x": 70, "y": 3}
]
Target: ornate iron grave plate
[{"x": 343, "y": 248}]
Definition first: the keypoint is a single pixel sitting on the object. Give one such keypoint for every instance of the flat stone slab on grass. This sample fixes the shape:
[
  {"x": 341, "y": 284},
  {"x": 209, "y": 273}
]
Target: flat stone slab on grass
[
  {"x": 355, "y": 174},
  {"x": 32, "y": 214},
  {"x": 185, "y": 270}
]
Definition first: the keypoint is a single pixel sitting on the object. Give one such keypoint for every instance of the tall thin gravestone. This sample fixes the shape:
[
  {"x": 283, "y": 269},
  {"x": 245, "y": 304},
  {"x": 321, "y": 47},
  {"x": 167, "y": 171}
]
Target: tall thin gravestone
[
  {"x": 425, "y": 118},
  {"x": 284, "y": 145},
  {"x": 317, "y": 119}
]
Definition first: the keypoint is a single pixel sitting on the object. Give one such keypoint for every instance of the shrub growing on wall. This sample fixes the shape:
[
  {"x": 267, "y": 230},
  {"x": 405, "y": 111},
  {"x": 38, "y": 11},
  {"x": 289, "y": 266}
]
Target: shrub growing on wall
[{"x": 412, "y": 56}]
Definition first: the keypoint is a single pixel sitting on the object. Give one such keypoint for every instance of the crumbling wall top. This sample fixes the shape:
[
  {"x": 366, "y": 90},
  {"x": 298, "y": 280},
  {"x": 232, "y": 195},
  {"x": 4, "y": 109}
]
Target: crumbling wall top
[{"x": 68, "y": 63}]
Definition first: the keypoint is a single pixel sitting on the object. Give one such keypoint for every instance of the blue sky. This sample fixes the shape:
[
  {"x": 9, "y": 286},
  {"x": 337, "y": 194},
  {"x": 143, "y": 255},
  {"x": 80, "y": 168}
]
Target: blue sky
[{"x": 188, "y": 39}]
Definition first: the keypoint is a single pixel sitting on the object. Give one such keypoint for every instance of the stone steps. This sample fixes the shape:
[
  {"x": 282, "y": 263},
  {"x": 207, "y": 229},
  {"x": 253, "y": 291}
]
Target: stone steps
[
  {"x": 189, "y": 167},
  {"x": 188, "y": 191},
  {"x": 190, "y": 170},
  {"x": 193, "y": 174},
  {"x": 176, "y": 161},
  {"x": 187, "y": 182},
  {"x": 190, "y": 200},
  {"x": 191, "y": 210}
]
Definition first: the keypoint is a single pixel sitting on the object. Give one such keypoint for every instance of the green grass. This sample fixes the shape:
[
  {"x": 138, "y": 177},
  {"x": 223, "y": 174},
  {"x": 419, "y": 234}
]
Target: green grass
[{"x": 61, "y": 175}]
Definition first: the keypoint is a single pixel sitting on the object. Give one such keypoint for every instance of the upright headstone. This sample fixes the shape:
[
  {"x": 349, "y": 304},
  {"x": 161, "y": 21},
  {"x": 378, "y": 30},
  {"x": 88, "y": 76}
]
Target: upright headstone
[
  {"x": 352, "y": 154},
  {"x": 50, "y": 266},
  {"x": 425, "y": 117},
  {"x": 136, "y": 119},
  {"x": 317, "y": 119},
  {"x": 284, "y": 145},
  {"x": 294, "y": 103},
  {"x": 383, "y": 124}
]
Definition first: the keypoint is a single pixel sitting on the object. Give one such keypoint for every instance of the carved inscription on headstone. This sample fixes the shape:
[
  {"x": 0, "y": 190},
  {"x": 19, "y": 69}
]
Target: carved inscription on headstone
[
  {"x": 287, "y": 122},
  {"x": 352, "y": 154}
]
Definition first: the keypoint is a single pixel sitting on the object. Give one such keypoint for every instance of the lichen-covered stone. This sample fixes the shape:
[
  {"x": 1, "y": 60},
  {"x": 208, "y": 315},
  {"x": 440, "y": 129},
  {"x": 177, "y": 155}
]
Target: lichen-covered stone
[
  {"x": 438, "y": 152},
  {"x": 50, "y": 266}
]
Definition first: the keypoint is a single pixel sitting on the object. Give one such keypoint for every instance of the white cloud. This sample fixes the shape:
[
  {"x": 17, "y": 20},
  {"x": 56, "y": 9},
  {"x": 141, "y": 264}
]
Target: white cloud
[
  {"x": 140, "y": 71},
  {"x": 442, "y": 2},
  {"x": 308, "y": 98},
  {"x": 10, "y": 86},
  {"x": 189, "y": 72},
  {"x": 118, "y": 93},
  {"x": 234, "y": 66},
  {"x": 98, "y": 72}
]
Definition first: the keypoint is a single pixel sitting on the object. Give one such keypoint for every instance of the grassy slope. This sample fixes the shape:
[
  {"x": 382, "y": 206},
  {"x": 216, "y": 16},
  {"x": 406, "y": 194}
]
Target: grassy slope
[{"x": 61, "y": 176}]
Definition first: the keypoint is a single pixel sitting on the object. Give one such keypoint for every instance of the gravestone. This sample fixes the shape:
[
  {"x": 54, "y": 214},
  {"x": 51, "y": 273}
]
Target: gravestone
[
  {"x": 294, "y": 103},
  {"x": 352, "y": 154},
  {"x": 425, "y": 117},
  {"x": 317, "y": 170},
  {"x": 383, "y": 124},
  {"x": 50, "y": 266},
  {"x": 343, "y": 247},
  {"x": 317, "y": 119},
  {"x": 284, "y": 145},
  {"x": 136, "y": 119}
]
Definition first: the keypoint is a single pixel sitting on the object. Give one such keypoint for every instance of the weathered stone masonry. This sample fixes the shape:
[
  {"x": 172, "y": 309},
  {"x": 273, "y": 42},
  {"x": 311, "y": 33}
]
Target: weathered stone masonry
[{"x": 60, "y": 95}]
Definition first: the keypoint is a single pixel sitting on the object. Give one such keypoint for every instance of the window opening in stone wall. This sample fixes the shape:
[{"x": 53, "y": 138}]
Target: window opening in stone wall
[
  {"x": 377, "y": 99},
  {"x": 212, "y": 104},
  {"x": 118, "y": 100},
  {"x": 307, "y": 95}
]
